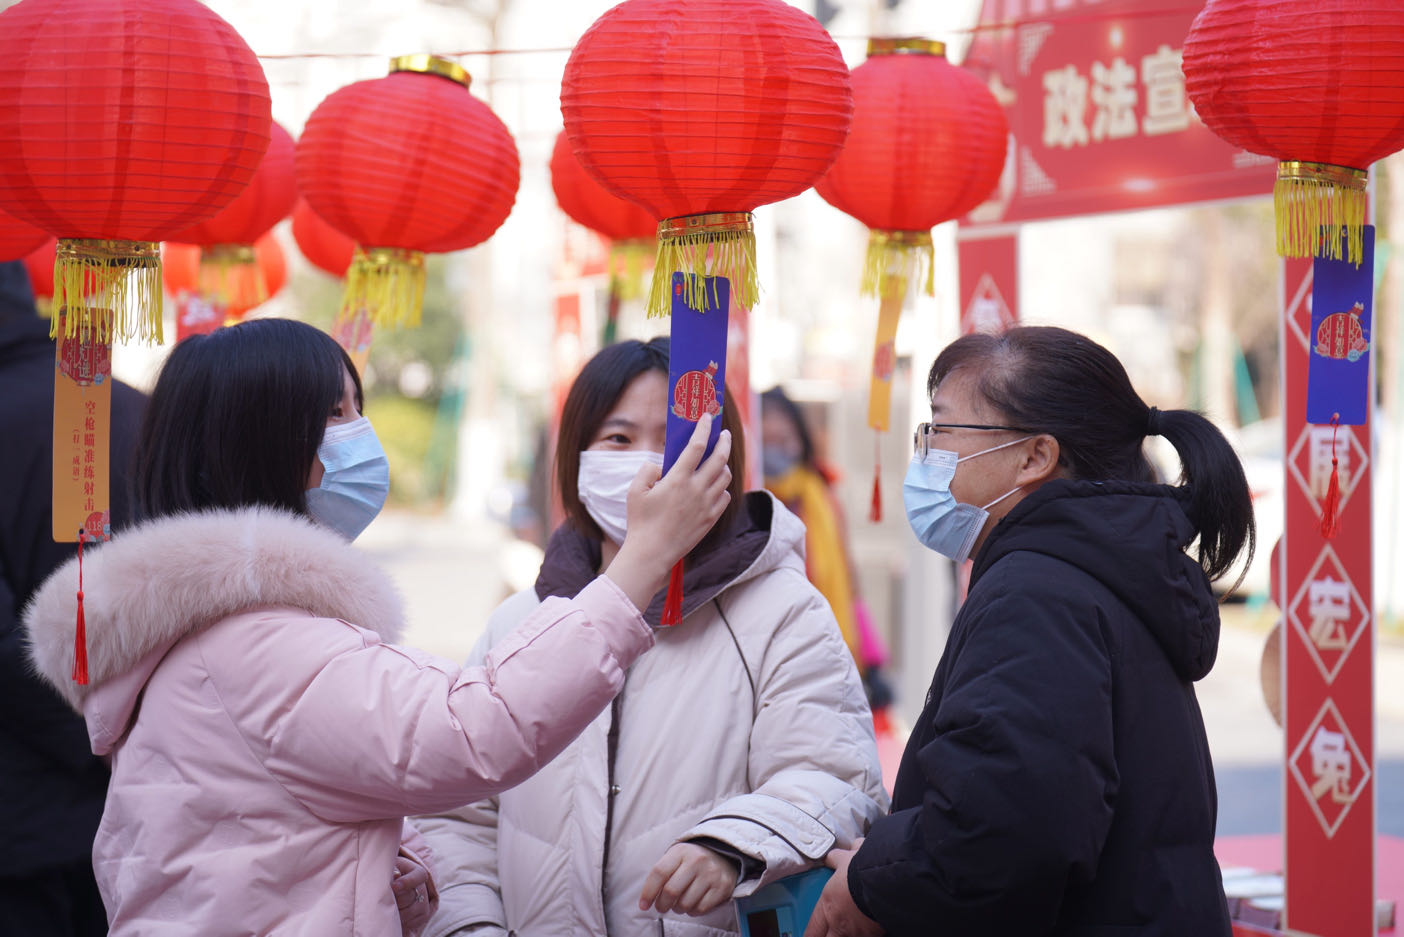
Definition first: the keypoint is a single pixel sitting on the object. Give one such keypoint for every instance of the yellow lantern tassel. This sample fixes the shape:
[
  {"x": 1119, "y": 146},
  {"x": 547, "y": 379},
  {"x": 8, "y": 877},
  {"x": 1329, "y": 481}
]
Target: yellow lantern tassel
[
  {"x": 386, "y": 282},
  {"x": 895, "y": 258},
  {"x": 230, "y": 275},
  {"x": 1308, "y": 197},
  {"x": 107, "y": 288},
  {"x": 714, "y": 245},
  {"x": 627, "y": 262}
]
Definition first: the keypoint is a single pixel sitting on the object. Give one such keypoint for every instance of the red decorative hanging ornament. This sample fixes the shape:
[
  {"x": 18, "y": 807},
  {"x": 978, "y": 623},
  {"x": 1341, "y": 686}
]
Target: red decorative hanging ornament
[
  {"x": 701, "y": 111},
  {"x": 232, "y": 271},
  {"x": 325, "y": 248},
  {"x": 1331, "y": 506},
  {"x": 1315, "y": 86},
  {"x": 80, "y": 625},
  {"x": 927, "y": 145},
  {"x": 629, "y": 228},
  {"x": 125, "y": 122},
  {"x": 405, "y": 165}
]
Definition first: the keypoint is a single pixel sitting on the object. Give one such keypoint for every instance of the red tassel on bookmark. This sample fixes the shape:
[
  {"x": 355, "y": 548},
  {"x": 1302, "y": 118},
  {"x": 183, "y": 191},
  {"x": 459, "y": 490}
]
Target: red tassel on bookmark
[
  {"x": 672, "y": 605},
  {"x": 1330, "y": 508},
  {"x": 80, "y": 634},
  {"x": 875, "y": 513}
]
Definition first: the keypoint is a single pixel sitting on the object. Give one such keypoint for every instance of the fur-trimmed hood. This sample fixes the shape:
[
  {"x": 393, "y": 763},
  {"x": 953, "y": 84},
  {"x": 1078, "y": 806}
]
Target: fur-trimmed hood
[{"x": 158, "y": 582}]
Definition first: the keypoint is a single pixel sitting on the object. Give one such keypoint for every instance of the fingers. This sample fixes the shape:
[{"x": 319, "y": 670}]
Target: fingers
[
  {"x": 645, "y": 479},
  {"x": 657, "y": 877},
  {"x": 691, "y": 456}
]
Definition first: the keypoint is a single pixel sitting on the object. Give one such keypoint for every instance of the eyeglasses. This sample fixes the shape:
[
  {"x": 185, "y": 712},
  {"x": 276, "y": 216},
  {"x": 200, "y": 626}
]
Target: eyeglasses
[{"x": 921, "y": 439}]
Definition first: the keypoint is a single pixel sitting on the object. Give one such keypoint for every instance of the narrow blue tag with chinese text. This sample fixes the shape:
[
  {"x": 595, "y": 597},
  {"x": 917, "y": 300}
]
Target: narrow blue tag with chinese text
[
  {"x": 1338, "y": 372},
  {"x": 696, "y": 365}
]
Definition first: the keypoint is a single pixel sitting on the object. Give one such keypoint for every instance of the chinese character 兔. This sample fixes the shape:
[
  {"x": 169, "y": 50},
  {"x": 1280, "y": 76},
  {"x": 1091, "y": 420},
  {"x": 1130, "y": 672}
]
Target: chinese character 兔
[
  {"x": 1114, "y": 94},
  {"x": 1064, "y": 108},
  {"x": 1330, "y": 764}
]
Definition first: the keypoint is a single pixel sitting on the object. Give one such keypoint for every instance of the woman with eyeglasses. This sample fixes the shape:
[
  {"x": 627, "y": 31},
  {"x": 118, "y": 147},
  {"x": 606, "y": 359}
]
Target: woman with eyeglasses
[{"x": 1059, "y": 780}]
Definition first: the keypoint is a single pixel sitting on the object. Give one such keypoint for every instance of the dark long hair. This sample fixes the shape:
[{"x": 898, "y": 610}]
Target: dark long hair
[
  {"x": 1064, "y": 384},
  {"x": 236, "y": 417},
  {"x": 596, "y": 390}
]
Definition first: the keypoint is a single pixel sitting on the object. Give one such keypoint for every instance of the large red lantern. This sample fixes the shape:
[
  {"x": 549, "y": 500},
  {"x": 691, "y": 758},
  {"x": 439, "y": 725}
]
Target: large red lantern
[
  {"x": 124, "y": 122},
  {"x": 927, "y": 145},
  {"x": 406, "y": 164},
  {"x": 1314, "y": 85},
  {"x": 324, "y": 246},
  {"x": 700, "y": 111},
  {"x": 231, "y": 269},
  {"x": 18, "y": 238}
]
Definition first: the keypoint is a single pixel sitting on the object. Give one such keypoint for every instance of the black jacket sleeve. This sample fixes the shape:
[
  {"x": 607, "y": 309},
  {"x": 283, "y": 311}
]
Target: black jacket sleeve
[{"x": 1019, "y": 776}]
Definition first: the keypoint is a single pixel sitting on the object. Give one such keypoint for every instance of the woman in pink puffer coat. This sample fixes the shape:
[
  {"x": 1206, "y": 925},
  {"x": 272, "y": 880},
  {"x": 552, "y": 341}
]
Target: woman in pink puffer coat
[{"x": 266, "y": 742}]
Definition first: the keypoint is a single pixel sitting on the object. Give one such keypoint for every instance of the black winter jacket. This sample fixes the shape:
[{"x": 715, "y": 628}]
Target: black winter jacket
[
  {"x": 1059, "y": 781},
  {"x": 52, "y": 787}
]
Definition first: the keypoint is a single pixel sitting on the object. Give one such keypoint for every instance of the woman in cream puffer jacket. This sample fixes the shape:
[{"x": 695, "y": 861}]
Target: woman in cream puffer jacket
[{"x": 745, "y": 728}]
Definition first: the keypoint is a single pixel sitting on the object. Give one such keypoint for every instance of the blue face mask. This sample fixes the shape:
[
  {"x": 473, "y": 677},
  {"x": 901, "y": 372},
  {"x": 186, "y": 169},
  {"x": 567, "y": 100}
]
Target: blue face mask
[
  {"x": 355, "y": 482},
  {"x": 940, "y": 521}
]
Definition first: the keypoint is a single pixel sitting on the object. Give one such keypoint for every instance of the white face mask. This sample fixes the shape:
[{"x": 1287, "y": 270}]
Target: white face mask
[
  {"x": 355, "y": 478},
  {"x": 603, "y": 483}
]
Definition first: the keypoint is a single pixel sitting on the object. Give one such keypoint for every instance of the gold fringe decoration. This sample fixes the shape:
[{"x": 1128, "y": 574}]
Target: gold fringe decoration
[
  {"x": 230, "y": 275},
  {"x": 109, "y": 288},
  {"x": 628, "y": 261},
  {"x": 1311, "y": 196},
  {"x": 895, "y": 258},
  {"x": 388, "y": 283},
  {"x": 721, "y": 244}
]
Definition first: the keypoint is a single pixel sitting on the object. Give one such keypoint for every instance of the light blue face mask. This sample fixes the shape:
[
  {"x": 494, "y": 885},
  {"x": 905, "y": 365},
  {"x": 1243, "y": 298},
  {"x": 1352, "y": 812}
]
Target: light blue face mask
[
  {"x": 356, "y": 480},
  {"x": 940, "y": 521}
]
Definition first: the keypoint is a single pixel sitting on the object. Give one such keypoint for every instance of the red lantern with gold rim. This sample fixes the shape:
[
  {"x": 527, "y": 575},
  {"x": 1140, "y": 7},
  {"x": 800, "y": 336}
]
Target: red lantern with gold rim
[
  {"x": 1319, "y": 87},
  {"x": 700, "y": 111},
  {"x": 927, "y": 145},
  {"x": 124, "y": 122},
  {"x": 408, "y": 164}
]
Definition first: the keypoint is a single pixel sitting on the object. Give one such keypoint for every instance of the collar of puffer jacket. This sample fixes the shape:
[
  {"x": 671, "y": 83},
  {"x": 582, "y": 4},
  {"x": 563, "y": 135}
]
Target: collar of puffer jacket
[{"x": 157, "y": 582}]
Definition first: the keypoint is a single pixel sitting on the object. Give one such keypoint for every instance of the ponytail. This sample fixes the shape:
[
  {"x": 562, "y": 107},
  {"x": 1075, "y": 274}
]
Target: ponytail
[{"x": 1221, "y": 506}]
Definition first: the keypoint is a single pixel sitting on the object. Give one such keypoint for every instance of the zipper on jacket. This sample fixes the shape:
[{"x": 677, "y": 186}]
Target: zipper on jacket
[{"x": 612, "y": 750}]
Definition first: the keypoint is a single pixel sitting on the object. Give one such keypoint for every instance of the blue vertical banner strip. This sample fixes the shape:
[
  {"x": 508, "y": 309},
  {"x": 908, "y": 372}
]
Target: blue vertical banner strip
[
  {"x": 696, "y": 365},
  {"x": 1342, "y": 306}
]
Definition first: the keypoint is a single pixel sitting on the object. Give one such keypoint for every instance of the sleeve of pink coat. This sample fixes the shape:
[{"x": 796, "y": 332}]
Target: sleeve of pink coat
[{"x": 359, "y": 730}]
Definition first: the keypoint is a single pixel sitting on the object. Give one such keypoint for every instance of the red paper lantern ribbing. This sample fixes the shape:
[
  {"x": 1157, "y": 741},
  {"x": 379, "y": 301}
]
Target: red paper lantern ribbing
[
  {"x": 927, "y": 145},
  {"x": 18, "y": 238},
  {"x": 698, "y": 108},
  {"x": 124, "y": 122},
  {"x": 324, "y": 246},
  {"x": 1319, "y": 87},
  {"x": 406, "y": 164}
]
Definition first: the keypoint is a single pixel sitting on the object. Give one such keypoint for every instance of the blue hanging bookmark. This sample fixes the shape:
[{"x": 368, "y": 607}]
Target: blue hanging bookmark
[
  {"x": 1338, "y": 366},
  {"x": 696, "y": 382}
]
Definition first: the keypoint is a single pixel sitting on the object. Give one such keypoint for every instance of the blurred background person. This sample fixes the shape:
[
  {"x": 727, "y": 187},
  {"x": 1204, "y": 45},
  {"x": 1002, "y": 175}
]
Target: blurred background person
[
  {"x": 52, "y": 786},
  {"x": 795, "y": 474}
]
